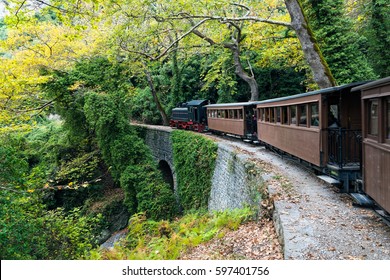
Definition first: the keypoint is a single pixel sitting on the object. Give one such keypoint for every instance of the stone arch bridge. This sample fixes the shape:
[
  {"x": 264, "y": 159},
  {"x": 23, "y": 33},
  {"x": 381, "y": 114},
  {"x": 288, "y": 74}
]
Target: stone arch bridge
[{"x": 233, "y": 183}]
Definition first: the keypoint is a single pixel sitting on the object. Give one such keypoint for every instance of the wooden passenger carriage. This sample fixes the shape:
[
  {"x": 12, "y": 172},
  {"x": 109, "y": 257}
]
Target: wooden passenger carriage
[
  {"x": 375, "y": 104},
  {"x": 322, "y": 128},
  {"x": 233, "y": 118}
]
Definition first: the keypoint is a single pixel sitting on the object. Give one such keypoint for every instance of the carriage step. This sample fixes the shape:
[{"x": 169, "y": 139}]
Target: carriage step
[
  {"x": 362, "y": 200},
  {"x": 329, "y": 180}
]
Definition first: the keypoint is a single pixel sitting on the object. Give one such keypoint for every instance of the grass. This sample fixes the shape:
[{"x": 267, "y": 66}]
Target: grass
[{"x": 167, "y": 240}]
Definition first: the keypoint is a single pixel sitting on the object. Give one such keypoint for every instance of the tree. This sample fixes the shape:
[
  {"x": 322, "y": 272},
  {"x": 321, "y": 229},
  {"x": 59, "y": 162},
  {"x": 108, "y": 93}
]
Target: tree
[
  {"x": 169, "y": 24},
  {"x": 30, "y": 47},
  {"x": 318, "y": 65},
  {"x": 377, "y": 31},
  {"x": 338, "y": 42},
  {"x": 234, "y": 45}
]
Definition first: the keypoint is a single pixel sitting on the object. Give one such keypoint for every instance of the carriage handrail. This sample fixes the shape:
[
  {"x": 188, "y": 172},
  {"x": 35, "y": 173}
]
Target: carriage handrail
[{"x": 344, "y": 147}]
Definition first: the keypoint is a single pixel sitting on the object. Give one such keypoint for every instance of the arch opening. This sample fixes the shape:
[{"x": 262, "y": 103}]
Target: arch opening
[{"x": 166, "y": 171}]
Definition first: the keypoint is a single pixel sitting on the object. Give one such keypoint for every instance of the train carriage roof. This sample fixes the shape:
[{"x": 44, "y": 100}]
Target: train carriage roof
[
  {"x": 315, "y": 92},
  {"x": 238, "y": 104},
  {"x": 372, "y": 84}
]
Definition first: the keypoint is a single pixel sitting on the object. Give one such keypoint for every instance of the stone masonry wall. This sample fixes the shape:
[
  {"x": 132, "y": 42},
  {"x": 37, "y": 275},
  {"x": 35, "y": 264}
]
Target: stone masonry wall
[
  {"x": 159, "y": 141},
  {"x": 235, "y": 182}
]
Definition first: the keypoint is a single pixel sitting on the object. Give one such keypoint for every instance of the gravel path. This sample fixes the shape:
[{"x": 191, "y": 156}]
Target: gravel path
[{"x": 313, "y": 219}]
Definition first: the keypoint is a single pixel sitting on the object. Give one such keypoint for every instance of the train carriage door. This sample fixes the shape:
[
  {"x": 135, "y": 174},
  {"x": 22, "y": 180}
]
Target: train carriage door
[{"x": 344, "y": 129}]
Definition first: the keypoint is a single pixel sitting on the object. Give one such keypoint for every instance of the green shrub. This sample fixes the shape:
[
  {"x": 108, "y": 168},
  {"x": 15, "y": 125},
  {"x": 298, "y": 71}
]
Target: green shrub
[
  {"x": 194, "y": 160},
  {"x": 29, "y": 231},
  {"x": 148, "y": 239},
  {"x": 130, "y": 160}
]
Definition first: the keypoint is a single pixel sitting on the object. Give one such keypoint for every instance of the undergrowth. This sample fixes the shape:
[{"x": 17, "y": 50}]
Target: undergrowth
[
  {"x": 194, "y": 158},
  {"x": 167, "y": 240}
]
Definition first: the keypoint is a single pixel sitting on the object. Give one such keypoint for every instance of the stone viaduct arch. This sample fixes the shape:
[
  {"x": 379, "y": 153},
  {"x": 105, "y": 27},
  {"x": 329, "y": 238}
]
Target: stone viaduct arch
[
  {"x": 232, "y": 182},
  {"x": 159, "y": 142}
]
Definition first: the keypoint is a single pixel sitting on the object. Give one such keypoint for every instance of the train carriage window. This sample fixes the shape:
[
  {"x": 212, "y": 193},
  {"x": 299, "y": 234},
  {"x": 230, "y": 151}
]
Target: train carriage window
[
  {"x": 262, "y": 114},
  {"x": 272, "y": 115},
  {"x": 240, "y": 114},
  {"x": 266, "y": 111},
  {"x": 284, "y": 115},
  {"x": 302, "y": 111},
  {"x": 373, "y": 106},
  {"x": 293, "y": 115},
  {"x": 314, "y": 113},
  {"x": 277, "y": 114}
]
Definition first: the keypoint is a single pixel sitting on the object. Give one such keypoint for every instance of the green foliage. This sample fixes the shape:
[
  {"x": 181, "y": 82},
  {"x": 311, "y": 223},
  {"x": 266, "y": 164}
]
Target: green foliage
[
  {"x": 194, "y": 159},
  {"x": 71, "y": 235},
  {"x": 143, "y": 108},
  {"x": 129, "y": 158},
  {"x": 95, "y": 95},
  {"x": 79, "y": 169},
  {"x": 65, "y": 169},
  {"x": 377, "y": 31},
  {"x": 339, "y": 43},
  {"x": 27, "y": 229},
  {"x": 151, "y": 240},
  {"x": 13, "y": 165},
  {"x": 3, "y": 29},
  {"x": 280, "y": 81}
]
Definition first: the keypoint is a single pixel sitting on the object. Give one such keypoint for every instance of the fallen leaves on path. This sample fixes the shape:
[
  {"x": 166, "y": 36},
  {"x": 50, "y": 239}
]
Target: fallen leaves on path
[{"x": 251, "y": 241}]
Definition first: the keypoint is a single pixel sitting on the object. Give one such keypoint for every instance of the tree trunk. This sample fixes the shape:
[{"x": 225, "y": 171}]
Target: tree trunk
[
  {"x": 176, "y": 83},
  {"x": 242, "y": 74},
  {"x": 322, "y": 74},
  {"x": 235, "y": 49},
  {"x": 155, "y": 98}
]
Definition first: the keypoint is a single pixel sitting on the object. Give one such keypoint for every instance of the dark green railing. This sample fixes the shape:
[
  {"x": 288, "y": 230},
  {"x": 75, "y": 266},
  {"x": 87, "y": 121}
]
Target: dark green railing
[{"x": 344, "y": 147}]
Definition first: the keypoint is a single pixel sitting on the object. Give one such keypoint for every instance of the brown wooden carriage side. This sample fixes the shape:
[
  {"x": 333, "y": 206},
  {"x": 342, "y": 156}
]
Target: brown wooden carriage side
[
  {"x": 375, "y": 103},
  {"x": 322, "y": 127},
  {"x": 283, "y": 125},
  {"x": 232, "y": 118}
]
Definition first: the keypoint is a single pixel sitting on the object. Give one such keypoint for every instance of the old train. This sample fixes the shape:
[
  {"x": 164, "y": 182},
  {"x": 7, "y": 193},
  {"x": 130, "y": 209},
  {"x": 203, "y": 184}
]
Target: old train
[{"x": 342, "y": 132}]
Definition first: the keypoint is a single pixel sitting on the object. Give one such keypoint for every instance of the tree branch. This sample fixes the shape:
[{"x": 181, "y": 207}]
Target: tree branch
[
  {"x": 204, "y": 37},
  {"x": 181, "y": 38},
  {"x": 230, "y": 19},
  {"x": 40, "y": 108},
  {"x": 10, "y": 189},
  {"x": 52, "y": 6}
]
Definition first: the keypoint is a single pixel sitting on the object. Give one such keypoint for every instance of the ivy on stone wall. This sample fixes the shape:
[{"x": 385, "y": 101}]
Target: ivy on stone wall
[{"x": 194, "y": 159}]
